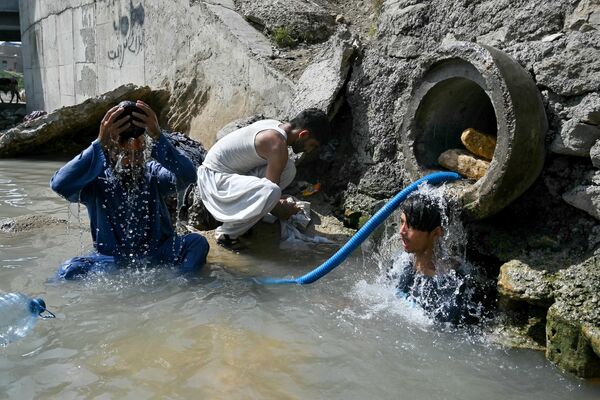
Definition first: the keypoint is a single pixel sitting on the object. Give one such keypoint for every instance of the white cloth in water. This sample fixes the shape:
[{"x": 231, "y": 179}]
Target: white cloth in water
[
  {"x": 292, "y": 236},
  {"x": 232, "y": 180}
]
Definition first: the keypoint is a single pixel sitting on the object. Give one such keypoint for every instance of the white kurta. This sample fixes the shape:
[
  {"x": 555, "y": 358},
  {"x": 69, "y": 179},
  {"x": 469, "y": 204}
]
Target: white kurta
[{"x": 232, "y": 181}]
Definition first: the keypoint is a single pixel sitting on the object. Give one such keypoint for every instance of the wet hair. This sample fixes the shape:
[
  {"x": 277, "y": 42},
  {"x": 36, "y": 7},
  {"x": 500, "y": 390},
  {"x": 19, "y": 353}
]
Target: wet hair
[
  {"x": 315, "y": 121},
  {"x": 422, "y": 212},
  {"x": 130, "y": 107}
]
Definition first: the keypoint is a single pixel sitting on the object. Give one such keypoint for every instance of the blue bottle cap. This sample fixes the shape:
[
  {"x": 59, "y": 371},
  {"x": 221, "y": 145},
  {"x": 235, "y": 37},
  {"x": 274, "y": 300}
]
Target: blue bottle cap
[{"x": 38, "y": 307}]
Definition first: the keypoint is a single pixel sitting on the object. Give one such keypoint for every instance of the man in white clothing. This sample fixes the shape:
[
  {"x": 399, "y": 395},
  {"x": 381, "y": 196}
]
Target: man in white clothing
[{"x": 243, "y": 174}]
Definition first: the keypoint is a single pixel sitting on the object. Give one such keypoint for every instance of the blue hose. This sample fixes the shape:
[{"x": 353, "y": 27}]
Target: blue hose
[{"x": 363, "y": 233}]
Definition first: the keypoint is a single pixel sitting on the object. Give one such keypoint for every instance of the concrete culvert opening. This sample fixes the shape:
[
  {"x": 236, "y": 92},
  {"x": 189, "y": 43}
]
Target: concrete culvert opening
[
  {"x": 446, "y": 111},
  {"x": 474, "y": 89}
]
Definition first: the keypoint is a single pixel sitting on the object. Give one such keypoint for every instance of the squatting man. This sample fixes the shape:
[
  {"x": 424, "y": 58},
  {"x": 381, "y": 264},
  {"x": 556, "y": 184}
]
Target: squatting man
[{"x": 244, "y": 173}]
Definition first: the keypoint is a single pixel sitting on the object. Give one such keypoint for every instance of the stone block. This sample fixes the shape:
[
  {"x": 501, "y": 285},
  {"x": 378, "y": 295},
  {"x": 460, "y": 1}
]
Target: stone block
[
  {"x": 479, "y": 143},
  {"x": 595, "y": 154},
  {"x": 585, "y": 17},
  {"x": 322, "y": 81},
  {"x": 575, "y": 138},
  {"x": 464, "y": 163},
  {"x": 303, "y": 20},
  {"x": 586, "y": 195},
  {"x": 568, "y": 347},
  {"x": 572, "y": 334},
  {"x": 519, "y": 282},
  {"x": 571, "y": 69}
]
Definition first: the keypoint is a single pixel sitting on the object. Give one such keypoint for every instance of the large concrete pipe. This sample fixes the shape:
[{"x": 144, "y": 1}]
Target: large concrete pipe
[{"x": 474, "y": 86}]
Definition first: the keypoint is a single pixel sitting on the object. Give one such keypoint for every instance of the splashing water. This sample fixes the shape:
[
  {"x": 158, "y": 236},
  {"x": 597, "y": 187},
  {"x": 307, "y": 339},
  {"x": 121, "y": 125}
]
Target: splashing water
[{"x": 452, "y": 295}]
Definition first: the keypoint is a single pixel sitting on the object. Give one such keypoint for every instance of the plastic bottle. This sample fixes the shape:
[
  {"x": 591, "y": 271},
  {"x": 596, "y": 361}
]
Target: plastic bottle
[{"x": 18, "y": 314}]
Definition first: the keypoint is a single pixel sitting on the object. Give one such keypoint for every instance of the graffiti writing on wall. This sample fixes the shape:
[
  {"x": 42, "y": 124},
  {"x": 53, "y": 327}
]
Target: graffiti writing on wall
[{"x": 130, "y": 32}]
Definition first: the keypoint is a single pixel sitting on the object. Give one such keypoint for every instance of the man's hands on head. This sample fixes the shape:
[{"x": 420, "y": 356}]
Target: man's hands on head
[
  {"x": 147, "y": 120},
  {"x": 113, "y": 124},
  {"x": 111, "y": 127}
]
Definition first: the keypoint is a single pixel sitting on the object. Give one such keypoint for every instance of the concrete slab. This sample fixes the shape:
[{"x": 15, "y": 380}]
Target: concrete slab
[
  {"x": 64, "y": 37},
  {"x": 256, "y": 42}
]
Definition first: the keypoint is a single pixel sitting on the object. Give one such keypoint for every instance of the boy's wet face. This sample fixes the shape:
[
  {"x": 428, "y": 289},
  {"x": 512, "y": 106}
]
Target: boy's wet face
[
  {"x": 131, "y": 152},
  {"x": 414, "y": 240}
]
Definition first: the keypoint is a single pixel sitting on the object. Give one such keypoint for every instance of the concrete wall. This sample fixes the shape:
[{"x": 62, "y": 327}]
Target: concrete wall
[{"x": 77, "y": 49}]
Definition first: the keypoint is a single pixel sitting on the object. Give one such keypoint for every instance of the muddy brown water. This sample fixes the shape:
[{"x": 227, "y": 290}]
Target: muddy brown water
[{"x": 151, "y": 334}]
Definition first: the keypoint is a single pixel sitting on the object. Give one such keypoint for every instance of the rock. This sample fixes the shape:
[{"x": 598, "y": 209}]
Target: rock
[
  {"x": 586, "y": 195},
  {"x": 190, "y": 147},
  {"x": 404, "y": 47},
  {"x": 520, "y": 334},
  {"x": 571, "y": 68},
  {"x": 340, "y": 19},
  {"x": 595, "y": 154},
  {"x": 11, "y": 115},
  {"x": 553, "y": 37},
  {"x": 585, "y": 17},
  {"x": 401, "y": 19},
  {"x": 381, "y": 181},
  {"x": 592, "y": 333},
  {"x": 301, "y": 20},
  {"x": 68, "y": 130},
  {"x": 495, "y": 38},
  {"x": 573, "y": 320},
  {"x": 464, "y": 163},
  {"x": 237, "y": 124},
  {"x": 26, "y": 223},
  {"x": 479, "y": 143},
  {"x": 581, "y": 129},
  {"x": 587, "y": 111},
  {"x": 320, "y": 84},
  {"x": 575, "y": 139},
  {"x": 197, "y": 215},
  {"x": 519, "y": 282}
]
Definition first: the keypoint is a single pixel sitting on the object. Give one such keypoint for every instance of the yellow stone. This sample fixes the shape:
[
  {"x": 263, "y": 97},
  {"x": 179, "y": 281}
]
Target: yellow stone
[
  {"x": 479, "y": 143},
  {"x": 464, "y": 163}
]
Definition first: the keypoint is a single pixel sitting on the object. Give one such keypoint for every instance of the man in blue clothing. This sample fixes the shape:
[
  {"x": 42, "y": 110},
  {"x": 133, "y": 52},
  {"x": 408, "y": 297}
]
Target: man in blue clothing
[{"x": 124, "y": 195}]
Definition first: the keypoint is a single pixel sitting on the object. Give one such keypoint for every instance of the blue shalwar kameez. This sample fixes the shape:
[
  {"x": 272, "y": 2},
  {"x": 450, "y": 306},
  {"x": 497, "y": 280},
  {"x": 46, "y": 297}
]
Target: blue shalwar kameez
[{"x": 130, "y": 225}]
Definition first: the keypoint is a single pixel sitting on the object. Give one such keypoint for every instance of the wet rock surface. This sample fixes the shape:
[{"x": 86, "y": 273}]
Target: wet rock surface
[
  {"x": 518, "y": 281},
  {"x": 572, "y": 330},
  {"x": 26, "y": 223}
]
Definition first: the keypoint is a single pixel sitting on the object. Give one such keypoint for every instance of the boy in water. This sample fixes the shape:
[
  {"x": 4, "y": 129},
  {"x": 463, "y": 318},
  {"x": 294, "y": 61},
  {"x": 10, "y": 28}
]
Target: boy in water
[
  {"x": 438, "y": 289},
  {"x": 125, "y": 195}
]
